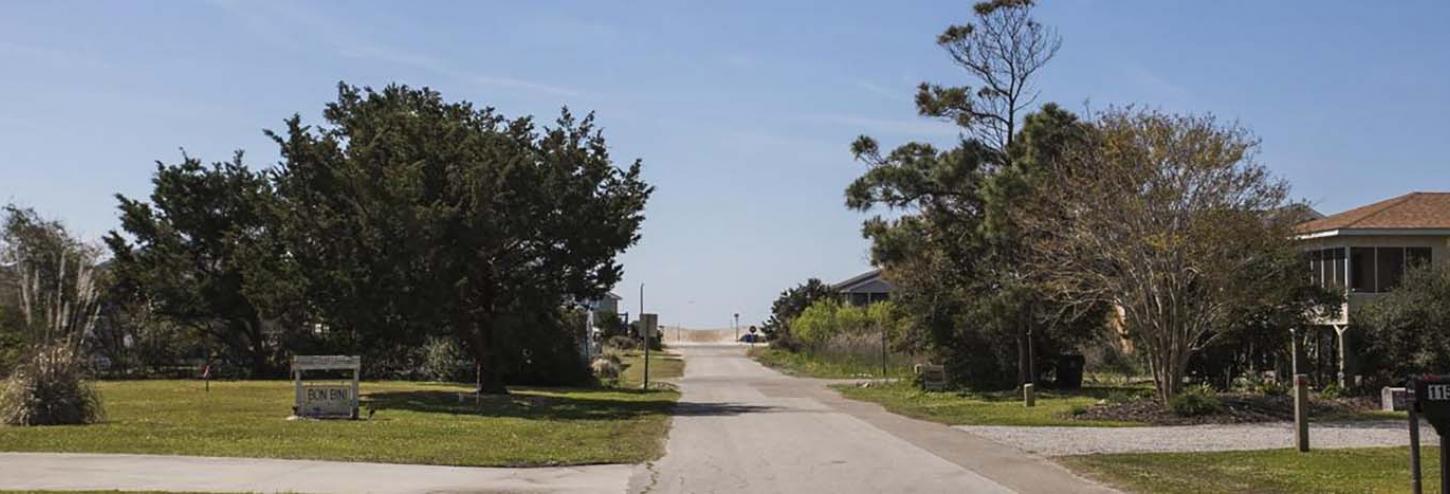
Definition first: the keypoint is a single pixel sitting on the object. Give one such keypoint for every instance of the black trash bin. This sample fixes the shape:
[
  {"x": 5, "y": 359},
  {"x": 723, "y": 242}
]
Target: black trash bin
[{"x": 1069, "y": 371}]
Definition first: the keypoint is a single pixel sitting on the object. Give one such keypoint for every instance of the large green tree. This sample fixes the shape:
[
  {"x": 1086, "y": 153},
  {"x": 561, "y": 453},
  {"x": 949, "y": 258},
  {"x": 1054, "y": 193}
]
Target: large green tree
[
  {"x": 409, "y": 215},
  {"x": 1169, "y": 219},
  {"x": 203, "y": 254},
  {"x": 955, "y": 251}
]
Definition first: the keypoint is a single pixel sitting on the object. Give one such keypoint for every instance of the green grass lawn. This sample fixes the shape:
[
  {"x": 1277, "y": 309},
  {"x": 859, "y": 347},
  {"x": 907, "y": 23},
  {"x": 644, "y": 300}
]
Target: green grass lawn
[
  {"x": 806, "y": 364},
  {"x": 1276, "y": 471},
  {"x": 414, "y": 423},
  {"x": 662, "y": 365},
  {"x": 1004, "y": 408}
]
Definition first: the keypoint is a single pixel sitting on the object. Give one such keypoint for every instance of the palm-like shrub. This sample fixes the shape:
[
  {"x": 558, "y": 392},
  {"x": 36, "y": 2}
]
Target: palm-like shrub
[
  {"x": 58, "y": 303},
  {"x": 49, "y": 388}
]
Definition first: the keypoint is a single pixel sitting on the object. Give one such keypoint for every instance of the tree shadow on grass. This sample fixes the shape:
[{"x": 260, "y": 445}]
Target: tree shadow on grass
[{"x": 548, "y": 407}]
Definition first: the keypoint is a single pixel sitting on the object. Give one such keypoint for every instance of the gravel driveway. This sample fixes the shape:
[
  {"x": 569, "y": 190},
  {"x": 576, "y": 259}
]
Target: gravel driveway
[{"x": 1064, "y": 441}]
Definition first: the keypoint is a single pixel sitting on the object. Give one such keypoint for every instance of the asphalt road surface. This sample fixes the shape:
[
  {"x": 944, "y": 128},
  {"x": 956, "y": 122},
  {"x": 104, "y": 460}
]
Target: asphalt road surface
[{"x": 741, "y": 427}]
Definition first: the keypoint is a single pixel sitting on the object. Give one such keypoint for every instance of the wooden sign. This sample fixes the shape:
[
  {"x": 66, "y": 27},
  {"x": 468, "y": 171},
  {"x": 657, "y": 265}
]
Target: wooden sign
[
  {"x": 326, "y": 362},
  {"x": 325, "y": 400}
]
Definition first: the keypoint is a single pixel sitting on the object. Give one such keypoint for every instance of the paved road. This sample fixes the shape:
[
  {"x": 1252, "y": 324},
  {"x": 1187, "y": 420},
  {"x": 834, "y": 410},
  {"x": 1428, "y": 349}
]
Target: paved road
[
  {"x": 744, "y": 428},
  {"x": 60, "y": 471}
]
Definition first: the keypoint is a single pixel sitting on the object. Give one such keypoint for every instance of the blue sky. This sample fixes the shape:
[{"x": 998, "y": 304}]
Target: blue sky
[{"x": 742, "y": 113}]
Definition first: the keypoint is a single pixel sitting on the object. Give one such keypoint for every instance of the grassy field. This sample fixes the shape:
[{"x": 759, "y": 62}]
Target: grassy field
[
  {"x": 414, "y": 423},
  {"x": 662, "y": 365},
  {"x": 830, "y": 367},
  {"x": 1278, "y": 471},
  {"x": 983, "y": 408}
]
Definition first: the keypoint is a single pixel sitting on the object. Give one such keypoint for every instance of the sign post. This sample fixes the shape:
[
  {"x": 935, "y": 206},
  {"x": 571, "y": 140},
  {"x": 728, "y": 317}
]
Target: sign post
[
  {"x": 325, "y": 400},
  {"x": 647, "y": 325},
  {"x": 1431, "y": 399},
  {"x": 1301, "y": 412}
]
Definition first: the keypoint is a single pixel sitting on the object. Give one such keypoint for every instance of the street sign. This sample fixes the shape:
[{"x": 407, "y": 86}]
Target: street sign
[{"x": 648, "y": 325}]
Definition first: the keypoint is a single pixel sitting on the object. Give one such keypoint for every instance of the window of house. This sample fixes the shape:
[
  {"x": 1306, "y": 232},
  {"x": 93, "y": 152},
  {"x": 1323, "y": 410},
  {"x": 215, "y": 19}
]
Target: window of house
[
  {"x": 1341, "y": 276},
  {"x": 1417, "y": 257},
  {"x": 1326, "y": 267},
  {"x": 1361, "y": 269},
  {"x": 1389, "y": 267},
  {"x": 1380, "y": 269}
]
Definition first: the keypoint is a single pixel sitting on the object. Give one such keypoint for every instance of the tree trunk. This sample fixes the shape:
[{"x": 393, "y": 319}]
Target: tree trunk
[
  {"x": 490, "y": 380},
  {"x": 477, "y": 337}
]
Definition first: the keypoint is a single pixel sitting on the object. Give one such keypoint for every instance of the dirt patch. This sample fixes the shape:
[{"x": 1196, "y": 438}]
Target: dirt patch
[{"x": 1237, "y": 409}]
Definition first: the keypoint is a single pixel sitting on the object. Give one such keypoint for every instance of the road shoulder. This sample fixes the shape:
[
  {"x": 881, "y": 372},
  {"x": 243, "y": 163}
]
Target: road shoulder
[{"x": 127, "y": 472}]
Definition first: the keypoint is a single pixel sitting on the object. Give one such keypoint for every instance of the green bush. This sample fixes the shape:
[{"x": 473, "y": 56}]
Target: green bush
[
  {"x": 1078, "y": 410},
  {"x": 1120, "y": 396},
  {"x": 1407, "y": 331},
  {"x": 1195, "y": 401},
  {"x": 1332, "y": 392},
  {"x": 444, "y": 360},
  {"x": 621, "y": 342},
  {"x": 49, "y": 388},
  {"x": 827, "y": 319}
]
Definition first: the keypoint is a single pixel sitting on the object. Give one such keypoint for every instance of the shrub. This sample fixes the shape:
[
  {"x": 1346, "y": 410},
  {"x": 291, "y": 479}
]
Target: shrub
[
  {"x": 606, "y": 368},
  {"x": 621, "y": 342},
  {"x": 1120, "y": 396},
  {"x": 1272, "y": 388},
  {"x": 1195, "y": 401},
  {"x": 48, "y": 388},
  {"x": 444, "y": 360},
  {"x": 1078, "y": 410},
  {"x": 1254, "y": 383},
  {"x": 1407, "y": 331},
  {"x": 825, "y": 320},
  {"x": 1332, "y": 392}
]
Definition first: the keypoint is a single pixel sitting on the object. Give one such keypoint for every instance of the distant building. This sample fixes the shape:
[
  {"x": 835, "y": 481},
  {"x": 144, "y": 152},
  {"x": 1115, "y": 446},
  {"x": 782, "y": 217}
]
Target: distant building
[
  {"x": 865, "y": 288},
  {"x": 608, "y": 303}
]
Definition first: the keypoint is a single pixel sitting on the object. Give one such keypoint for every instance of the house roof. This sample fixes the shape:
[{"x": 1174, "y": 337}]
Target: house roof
[
  {"x": 860, "y": 280},
  {"x": 1413, "y": 211}
]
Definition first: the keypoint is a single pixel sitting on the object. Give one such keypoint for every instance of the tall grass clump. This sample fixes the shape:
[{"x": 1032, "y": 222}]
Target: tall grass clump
[
  {"x": 49, "y": 388},
  {"x": 58, "y": 300}
]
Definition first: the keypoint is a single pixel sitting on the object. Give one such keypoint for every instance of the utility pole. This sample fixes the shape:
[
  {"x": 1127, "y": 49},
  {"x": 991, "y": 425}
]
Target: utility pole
[{"x": 736, "y": 325}]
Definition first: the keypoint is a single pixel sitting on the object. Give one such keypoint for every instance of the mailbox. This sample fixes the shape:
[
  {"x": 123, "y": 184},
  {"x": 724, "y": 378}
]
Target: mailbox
[{"x": 1432, "y": 400}]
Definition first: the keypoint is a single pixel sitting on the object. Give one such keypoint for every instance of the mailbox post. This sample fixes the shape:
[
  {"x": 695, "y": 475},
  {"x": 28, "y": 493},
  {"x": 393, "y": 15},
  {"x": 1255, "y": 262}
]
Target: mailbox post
[{"x": 1430, "y": 399}]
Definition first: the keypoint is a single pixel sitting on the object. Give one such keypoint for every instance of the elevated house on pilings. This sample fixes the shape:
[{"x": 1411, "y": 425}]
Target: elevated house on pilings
[
  {"x": 865, "y": 289},
  {"x": 1365, "y": 252}
]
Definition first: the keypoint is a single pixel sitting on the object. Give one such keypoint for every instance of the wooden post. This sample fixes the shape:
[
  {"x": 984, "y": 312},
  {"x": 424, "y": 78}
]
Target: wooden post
[
  {"x": 1343, "y": 370},
  {"x": 1301, "y": 412},
  {"x": 356, "y": 399},
  {"x": 297, "y": 391},
  {"x": 1412, "y": 403},
  {"x": 1293, "y": 352},
  {"x": 1029, "y": 395}
]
